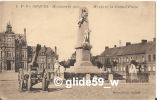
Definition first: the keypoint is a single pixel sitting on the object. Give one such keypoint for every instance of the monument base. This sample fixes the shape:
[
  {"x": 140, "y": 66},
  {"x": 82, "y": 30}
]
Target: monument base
[
  {"x": 87, "y": 69},
  {"x": 83, "y": 63}
]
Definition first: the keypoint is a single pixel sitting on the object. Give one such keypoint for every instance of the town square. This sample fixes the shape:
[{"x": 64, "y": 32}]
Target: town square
[{"x": 77, "y": 50}]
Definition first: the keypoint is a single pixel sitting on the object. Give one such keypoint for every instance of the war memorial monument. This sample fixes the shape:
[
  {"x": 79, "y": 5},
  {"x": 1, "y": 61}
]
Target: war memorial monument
[{"x": 83, "y": 47}]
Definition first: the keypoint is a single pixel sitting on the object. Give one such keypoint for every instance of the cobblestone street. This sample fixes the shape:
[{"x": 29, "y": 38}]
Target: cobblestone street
[{"x": 9, "y": 91}]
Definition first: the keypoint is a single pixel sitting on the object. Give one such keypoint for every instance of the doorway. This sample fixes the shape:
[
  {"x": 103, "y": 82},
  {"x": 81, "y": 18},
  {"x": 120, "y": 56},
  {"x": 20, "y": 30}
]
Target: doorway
[{"x": 8, "y": 65}]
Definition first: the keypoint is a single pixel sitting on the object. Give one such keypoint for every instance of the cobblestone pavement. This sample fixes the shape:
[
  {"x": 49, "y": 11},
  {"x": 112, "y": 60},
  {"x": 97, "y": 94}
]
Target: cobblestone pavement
[{"x": 136, "y": 91}]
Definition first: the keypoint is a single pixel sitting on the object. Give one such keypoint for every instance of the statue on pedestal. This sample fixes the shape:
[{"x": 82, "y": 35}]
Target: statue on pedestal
[{"x": 84, "y": 16}]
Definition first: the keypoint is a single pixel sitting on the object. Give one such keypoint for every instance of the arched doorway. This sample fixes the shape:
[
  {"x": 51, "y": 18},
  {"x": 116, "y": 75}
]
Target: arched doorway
[{"x": 8, "y": 65}]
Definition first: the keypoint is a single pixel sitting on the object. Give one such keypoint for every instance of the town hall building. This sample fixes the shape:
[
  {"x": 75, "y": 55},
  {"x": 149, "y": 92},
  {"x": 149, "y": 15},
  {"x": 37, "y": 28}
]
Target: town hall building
[{"x": 13, "y": 50}]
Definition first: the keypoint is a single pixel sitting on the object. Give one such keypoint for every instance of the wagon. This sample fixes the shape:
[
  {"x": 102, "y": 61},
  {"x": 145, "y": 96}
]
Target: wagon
[{"x": 29, "y": 78}]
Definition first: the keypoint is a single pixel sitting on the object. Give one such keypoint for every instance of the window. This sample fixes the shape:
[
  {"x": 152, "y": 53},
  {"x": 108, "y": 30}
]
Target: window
[
  {"x": 1, "y": 66},
  {"x": 43, "y": 53},
  {"x": 49, "y": 60},
  {"x": 149, "y": 68},
  {"x": 154, "y": 57},
  {"x": 153, "y": 68},
  {"x": 9, "y": 39},
  {"x": 8, "y": 54},
  {"x": 42, "y": 59},
  {"x": 122, "y": 60},
  {"x": 149, "y": 57},
  {"x": 127, "y": 59},
  {"x": 124, "y": 68},
  {"x": 49, "y": 66},
  {"x": 121, "y": 68},
  {"x": 104, "y": 68},
  {"x": 119, "y": 60},
  {"x": 143, "y": 58},
  {"x": 1, "y": 54},
  {"x": 23, "y": 54},
  {"x": 41, "y": 66},
  {"x": 22, "y": 64}
]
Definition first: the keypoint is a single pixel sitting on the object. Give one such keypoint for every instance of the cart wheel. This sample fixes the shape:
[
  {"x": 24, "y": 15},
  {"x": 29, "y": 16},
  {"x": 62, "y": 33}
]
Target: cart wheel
[
  {"x": 47, "y": 85},
  {"x": 29, "y": 84},
  {"x": 47, "y": 80},
  {"x": 44, "y": 84},
  {"x": 21, "y": 85}
]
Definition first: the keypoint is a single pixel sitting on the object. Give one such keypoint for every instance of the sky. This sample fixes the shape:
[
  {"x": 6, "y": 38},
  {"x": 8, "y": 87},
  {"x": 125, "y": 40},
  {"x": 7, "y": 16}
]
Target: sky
[{"x": 109, "y": 22}]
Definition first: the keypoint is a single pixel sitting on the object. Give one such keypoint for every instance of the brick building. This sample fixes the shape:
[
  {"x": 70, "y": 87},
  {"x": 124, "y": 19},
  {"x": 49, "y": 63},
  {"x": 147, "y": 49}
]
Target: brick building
[
  {"x": 46, "y": 58},
  {"x": 119, "y": 57},
  {"x": 13, "y": 50}
]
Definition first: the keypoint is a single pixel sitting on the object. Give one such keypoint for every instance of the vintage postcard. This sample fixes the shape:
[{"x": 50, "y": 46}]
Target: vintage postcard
[{"x": 77, "y": 50}]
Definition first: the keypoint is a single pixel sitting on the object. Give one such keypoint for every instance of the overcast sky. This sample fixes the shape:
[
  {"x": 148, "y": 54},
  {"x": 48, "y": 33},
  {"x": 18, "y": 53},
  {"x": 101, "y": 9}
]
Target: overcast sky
[{"x": 58, "y": 26}]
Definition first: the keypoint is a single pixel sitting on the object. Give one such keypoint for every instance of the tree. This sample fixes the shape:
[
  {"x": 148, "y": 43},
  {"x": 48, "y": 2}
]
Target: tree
[
  {"x": 99, "y": 64},
  {"x": 68, "y": 63}
]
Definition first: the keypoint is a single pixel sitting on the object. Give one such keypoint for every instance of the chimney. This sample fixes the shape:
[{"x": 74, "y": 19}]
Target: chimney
[
  {"x": 128, "y": 43},
  {"x": 154, "y": 39},
  {"x": 106, "y": 47},
  {"x": 115, "y": 46},
  {"x": 24, "y": 30},
  {"x": 55, "y": 50},
  {"x": 143, "y": 41},
  {"x": 25, "y": 33},
  {"x": 45, "y": 48}
]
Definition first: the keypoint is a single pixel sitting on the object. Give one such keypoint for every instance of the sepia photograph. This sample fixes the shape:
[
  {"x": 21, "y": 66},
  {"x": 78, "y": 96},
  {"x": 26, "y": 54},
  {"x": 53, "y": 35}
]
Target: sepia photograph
[{"x": 77, "y": 50}]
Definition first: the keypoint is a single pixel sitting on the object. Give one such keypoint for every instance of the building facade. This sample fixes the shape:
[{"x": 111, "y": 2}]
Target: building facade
[
  {"x": 118, "y": 58},
  {"x": 46, "y": 58},
  {"x": 13, "y": 50}
]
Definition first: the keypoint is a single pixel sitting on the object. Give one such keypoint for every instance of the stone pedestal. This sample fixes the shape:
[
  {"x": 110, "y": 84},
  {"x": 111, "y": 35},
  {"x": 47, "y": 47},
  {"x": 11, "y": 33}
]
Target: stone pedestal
[{"x": 82, "y": 58}]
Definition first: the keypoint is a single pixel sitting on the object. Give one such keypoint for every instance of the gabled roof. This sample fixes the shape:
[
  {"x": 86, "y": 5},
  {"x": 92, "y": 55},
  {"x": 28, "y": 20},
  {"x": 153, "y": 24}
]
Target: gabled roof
[
  {"x": 20, "y": 39},
  {"x": 46, "y": 50},
  {"x": 139, "y": 48}
]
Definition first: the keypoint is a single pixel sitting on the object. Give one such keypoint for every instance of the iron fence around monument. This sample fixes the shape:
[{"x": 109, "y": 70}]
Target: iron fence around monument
[
  {"x": 68, "y": 75},
  {"x": 138, "y": 78}
]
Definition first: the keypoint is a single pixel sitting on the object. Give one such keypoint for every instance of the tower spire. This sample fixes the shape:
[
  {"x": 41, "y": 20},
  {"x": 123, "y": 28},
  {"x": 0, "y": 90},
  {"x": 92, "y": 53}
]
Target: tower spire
[{"x": 8, "y": 28}]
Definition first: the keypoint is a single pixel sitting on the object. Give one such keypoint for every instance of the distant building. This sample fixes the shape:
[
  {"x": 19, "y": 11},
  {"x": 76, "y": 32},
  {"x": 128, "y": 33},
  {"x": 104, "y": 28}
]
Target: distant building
[
  {"x": 119, "y": 57},
  {"x": 13, "y": 50},
  {"x": 46, "y": 58}
]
